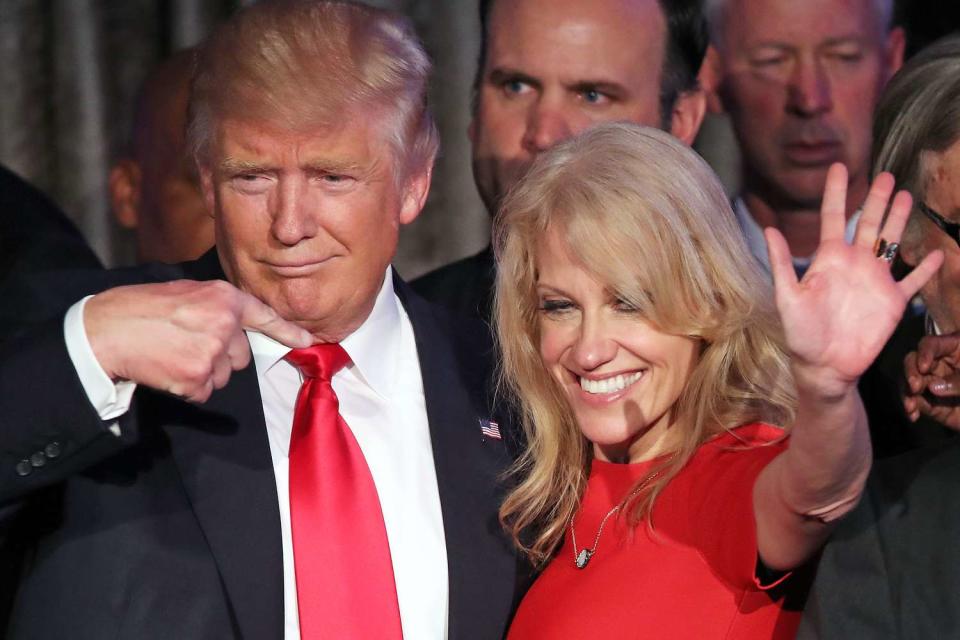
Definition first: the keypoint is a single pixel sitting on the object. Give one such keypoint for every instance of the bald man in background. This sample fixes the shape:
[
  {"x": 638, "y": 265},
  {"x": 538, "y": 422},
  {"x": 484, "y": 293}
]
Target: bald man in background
[
  {"x": 154, "y": 188},
  {"x": 154, "y": 191}
]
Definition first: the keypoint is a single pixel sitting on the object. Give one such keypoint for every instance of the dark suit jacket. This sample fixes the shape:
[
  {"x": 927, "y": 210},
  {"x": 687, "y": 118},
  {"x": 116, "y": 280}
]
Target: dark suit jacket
[
  {"x": 465, "y": 286},
  {"x": 891, "y": 568},
  {"x": 172, "y": 530},
  {"x": 880, "y": 387},
  {"x": 34, "y": 236}
]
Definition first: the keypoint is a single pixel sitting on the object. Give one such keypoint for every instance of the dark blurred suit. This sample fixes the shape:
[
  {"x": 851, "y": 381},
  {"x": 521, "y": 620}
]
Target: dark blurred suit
[
  {"x": 465, "y": 286},
  {"x": 892, "y": 568},
  {"x": 890, "y": 430},
  {"x": 35, "y": 236}
]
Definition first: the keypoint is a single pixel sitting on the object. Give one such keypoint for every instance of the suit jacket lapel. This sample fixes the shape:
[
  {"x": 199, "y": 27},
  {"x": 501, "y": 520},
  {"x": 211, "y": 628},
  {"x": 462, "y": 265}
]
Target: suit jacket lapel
[
  {"x": 481, "y": 565},
  {"x": 223, "y": 455}
]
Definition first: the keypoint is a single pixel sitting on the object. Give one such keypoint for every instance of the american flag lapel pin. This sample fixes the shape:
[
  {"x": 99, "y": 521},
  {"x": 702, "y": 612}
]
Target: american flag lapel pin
[{"x": 489, "y": 428}]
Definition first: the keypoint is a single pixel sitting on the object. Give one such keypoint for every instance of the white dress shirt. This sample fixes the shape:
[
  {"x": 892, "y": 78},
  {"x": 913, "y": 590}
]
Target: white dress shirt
[
  {"x": 382, "y": 401},
  {"x": 757, "y": 244}
]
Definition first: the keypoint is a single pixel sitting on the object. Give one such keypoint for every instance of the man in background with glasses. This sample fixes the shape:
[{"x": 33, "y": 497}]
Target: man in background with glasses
[
  {"x": 917, "y": 133},
  {"x": 890, "y": 569}
]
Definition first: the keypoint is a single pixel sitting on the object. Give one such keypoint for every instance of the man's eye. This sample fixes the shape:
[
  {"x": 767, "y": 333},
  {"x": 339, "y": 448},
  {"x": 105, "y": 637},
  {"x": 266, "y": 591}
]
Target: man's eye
[
  {"x": 768, "y": 62},
  {"x": 250, "y": 182},
  {"x": 515, "y": 87},
  {"x": 846, "y": 55},
  {"x": 336, "y": 179},
  {"x": 593, "y": 96}
]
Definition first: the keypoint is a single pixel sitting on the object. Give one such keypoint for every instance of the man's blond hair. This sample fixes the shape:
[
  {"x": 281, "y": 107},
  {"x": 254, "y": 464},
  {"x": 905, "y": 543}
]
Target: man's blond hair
[{"x": 303, "y": 65}]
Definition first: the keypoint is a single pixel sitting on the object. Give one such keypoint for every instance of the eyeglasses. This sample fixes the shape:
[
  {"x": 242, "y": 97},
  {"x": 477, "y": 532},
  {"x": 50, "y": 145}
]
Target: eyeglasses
[{"x": 952, "y": 229}]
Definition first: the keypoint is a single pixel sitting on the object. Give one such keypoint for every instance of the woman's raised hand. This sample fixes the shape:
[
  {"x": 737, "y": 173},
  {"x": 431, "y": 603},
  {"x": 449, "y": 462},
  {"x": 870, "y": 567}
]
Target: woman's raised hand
[{"x": 839, "y": 316}]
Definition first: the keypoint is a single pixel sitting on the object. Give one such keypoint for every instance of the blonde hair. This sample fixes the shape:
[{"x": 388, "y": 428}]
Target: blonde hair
[
  {"x": 304, "y": 64},
  {"x": 645, "y": 215}
]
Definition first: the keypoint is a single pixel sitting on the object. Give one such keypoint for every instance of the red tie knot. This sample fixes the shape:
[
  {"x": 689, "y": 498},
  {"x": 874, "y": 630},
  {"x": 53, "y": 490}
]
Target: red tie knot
[{"x": 319, "y": 361}]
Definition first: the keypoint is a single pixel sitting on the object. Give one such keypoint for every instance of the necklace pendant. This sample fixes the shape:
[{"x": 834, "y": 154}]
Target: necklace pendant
[{"x": 583, "y": 558}]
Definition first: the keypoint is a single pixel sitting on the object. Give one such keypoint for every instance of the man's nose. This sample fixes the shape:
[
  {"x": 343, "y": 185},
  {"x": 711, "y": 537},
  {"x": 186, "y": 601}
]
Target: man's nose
[
  {"x": 547, "y": 124},
  {"x": 809, "y": 92},
  {"x": 293, "y": 215}
]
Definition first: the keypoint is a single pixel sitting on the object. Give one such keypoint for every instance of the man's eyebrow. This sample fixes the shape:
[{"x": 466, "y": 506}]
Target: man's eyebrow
[
  {"x": 331, "y": 165},
  {"x": 319, "y": 165},
  {"x": 770, "y": 44},
  {"x": 506, "y": 74},
  {"x": 236, "y": 165},
  {"x": 842, "y": 40}
]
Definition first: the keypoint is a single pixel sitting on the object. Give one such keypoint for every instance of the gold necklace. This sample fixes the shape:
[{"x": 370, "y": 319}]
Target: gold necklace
[{"x": 582, "y": 558}]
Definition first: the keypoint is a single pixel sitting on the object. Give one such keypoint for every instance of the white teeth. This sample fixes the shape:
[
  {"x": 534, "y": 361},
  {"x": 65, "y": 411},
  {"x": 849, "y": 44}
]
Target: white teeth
[{"x": 610, "y": 385}]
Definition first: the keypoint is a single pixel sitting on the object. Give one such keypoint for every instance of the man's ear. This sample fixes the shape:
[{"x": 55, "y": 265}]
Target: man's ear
[
  {"x": 687, "y": 115},
  {"x": 895, "y": 45},
  {"x": 415, "y": 194},
  {"x": 711, "y": 77},
  {"x": 207, "y": 188},
  {"x": 124, "y": 184}
]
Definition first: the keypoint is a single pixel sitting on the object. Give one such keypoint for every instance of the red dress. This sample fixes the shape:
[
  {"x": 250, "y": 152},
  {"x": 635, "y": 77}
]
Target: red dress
[{"x": 693, "y": 577}]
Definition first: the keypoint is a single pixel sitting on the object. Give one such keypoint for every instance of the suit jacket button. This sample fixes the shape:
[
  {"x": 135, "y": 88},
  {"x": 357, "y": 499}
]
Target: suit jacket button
[
  {"x": 24, "y": 468},
  {"x": 38, "y": 459},
  {"x": 52, "y": 450}
]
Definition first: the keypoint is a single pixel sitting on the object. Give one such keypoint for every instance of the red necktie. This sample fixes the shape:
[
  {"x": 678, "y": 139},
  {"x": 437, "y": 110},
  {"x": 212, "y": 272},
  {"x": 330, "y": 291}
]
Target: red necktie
[{"x": 345, "y": 585}]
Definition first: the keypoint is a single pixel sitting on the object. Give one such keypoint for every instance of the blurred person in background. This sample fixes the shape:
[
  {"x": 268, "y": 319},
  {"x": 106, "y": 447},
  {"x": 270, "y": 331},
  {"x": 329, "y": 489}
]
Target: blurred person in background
[
  {"x": 154, "y": 187},
  {"x": 799, "y": 81},
  {"x": 890, "y": 570}
]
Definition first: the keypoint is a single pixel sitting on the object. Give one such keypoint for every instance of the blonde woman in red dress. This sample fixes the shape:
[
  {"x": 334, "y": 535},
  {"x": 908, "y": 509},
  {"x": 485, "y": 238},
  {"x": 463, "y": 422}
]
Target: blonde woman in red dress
[{"x": 692, "y": 431}]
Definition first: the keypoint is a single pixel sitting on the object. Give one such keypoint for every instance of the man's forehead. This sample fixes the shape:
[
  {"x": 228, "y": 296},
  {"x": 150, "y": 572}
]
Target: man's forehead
[
  {"x": 751, "y": 23},
  {"x": 352, "y": 143},
  {"x": 581, "y": 33}
]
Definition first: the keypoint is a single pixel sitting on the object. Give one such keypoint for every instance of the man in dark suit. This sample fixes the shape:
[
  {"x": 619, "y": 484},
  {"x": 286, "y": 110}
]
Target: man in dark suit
[
  {"x": 35, "y": 235},
  {"x": 164, "y": 480},
  {"x": 550, "y": 68}
]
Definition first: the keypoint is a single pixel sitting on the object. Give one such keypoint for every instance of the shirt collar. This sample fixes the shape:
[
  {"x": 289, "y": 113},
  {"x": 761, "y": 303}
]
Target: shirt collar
[
  {"x": 373, "y": 348},
  {"x": 753, "y": 234}
]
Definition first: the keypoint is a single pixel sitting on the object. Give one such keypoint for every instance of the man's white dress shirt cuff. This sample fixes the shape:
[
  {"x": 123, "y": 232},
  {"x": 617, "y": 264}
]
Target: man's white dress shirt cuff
[{"x": 111, "y": 400}]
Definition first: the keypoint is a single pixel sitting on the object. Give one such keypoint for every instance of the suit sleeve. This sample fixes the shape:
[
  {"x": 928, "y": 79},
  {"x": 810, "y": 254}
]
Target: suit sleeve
[
  {"x": 48, "y": 428},
  {"x": 851, "y": 596}
]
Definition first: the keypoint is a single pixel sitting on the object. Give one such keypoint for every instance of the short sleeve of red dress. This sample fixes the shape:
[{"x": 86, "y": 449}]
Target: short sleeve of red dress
[{"x": 719, "y": 487}]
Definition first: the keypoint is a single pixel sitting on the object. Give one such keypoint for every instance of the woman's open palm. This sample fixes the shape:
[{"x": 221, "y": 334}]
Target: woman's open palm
[{"x": 839, "y": 316}]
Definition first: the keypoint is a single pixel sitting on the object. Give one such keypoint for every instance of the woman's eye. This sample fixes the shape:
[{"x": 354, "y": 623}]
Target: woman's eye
[
  {"x": 624, "y": 306},
  {"x": 555, "y": 306}
]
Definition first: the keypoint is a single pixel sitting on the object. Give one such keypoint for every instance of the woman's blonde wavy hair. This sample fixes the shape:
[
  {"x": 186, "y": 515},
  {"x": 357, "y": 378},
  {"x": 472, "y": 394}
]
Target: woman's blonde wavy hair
[{"x": 644, "y": 214}]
